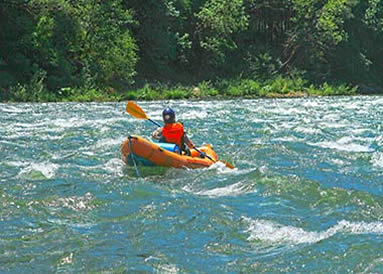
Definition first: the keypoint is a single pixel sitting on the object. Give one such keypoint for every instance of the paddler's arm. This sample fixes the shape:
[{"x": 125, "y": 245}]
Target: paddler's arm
[
  {"x": 188, "y": 142},
  {"x": 157, "y": 134}
]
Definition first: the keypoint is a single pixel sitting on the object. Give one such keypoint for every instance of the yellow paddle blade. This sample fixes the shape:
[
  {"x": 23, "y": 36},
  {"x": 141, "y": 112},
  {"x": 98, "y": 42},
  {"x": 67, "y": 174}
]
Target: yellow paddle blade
[
  {"x": 133, "y": 109},
  {"x": 228, "y": 164}
]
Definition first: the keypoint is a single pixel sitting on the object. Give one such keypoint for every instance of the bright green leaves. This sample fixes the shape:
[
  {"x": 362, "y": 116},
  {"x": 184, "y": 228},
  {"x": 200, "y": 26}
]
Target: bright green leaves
[
  {"x": 219, "y": 21},
  {"x": 331, "y": 20},
  {"x": 319, "y": 27},
  {"x": 109, "y": 50},
  {"x": 42, "y": 38},
  {"x": 374, "y": 15},
  {"x": 71, "y": 43},
  {"x": 323, "y": 19},
  {"x": 223, "y": 16},
  {"x": 118, "y": 60}
]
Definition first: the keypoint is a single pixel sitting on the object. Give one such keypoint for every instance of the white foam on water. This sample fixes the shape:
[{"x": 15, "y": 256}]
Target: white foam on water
[
  {"x": 230, "y": 190},
  {"x": 105, "y": 124},
  {"x": 285, "y": 125},
  {"x": 352, "y": 147},
  {"x": 311, "y": 104},
  {"x": 51, "y": 138},
  {"x": 337, "y": 162},
  {"x": 115, "y": 165},
  {"x": 285, "y": 110},
  {"x": 192, "y": 115},
  {"x": 76, "y": 203},
  {"x": 345, "y": 104},
  {"x": 221, "y": 168},
  {"x": 343, "y": 144},
  {"x": 286, "y": 139},
  {"x": 308, "y": 130},
  {"x": 360, "y": 131},
  {"x": 64, "y": 124},
  {"x": 14, "y": 109},
  {"x": 67, "y": 259},
  {"x": 333, "y": 124},
  {"x": 167, "y": 268},
  {"x": 110, "y": 142},
  {"x": 24, "y": 126},
  {"x": 17, "y": 163},
  {"x": 257, "y": 120},
  {"x": 377, "y": 159},
  {"x": 268, "y": 231},
  {"x": 46, "y": 169},
  {"x": 88, "y": 153}
]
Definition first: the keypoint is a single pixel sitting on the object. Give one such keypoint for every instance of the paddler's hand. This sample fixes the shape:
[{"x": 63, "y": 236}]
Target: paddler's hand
[
  {"x": 157, "y": 134},
  {"x": 201, "y": 153}
]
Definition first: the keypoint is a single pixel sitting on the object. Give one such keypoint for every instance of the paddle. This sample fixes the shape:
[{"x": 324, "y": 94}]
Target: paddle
[{"x": 133, "y": 109}]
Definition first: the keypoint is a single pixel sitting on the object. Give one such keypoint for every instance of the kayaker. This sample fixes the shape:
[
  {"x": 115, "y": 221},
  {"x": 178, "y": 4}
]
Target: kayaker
[{"x": 173, "y": 132}]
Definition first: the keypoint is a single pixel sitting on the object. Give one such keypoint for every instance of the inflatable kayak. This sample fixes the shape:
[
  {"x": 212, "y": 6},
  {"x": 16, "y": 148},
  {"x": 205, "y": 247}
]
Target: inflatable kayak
[{"x": 138, "y": 150}]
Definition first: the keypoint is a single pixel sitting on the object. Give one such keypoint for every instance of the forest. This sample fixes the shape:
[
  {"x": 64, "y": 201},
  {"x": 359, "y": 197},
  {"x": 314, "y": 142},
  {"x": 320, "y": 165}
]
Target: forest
[{"x": 84, "y": 50}]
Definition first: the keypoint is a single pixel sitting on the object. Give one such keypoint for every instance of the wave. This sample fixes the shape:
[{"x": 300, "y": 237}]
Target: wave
[
  {"x": 39, "y": 171},
  {"x": 268, "y": 231},
  {"x": 193, "y": 114},
  {"x": 76, "y": 203},
  {"x": 230, "y": 190},
  {"x": 343, "y": 144},
  {"x": 309, "y": 130},
  {"x": 115, "y": 166},
  {"x": 8, "y": 108},
  {"x": 377, "y": 159},
  {"x": 109, "y": 142}
]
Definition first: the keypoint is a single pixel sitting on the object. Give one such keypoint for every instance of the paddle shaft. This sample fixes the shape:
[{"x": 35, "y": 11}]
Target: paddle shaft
[
  {"x": 154, "y": 122},
  {"x": 204, "y": 154}
]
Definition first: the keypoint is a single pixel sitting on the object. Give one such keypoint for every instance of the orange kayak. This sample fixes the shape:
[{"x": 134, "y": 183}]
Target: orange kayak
[{"x": 149, "y": 153}]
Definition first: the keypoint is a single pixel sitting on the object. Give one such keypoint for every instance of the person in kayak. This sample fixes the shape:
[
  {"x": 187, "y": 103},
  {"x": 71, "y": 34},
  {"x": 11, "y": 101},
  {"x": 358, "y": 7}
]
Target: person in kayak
[{"x": 173, "y": 132}]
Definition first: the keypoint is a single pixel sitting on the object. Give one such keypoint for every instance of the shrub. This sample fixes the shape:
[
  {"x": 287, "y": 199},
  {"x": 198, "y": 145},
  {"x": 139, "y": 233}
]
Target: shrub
[
  {"x": 205, "y": 89},
  {"x": 325, "y": 90},
  {"x": 31, "y": 92},
  {"x": 147, "y": 93},
  {"x": 130, "y": 95},
  {"x": 250, "y": 87},
  {"x": 233, "y": 90},
  {"x": 177, "y": 93}
]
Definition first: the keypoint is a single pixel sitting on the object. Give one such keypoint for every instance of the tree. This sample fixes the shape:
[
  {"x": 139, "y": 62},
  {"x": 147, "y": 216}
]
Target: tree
[
  {"x": 163, "y": 34},
  {"x": 108, "y": 50},
  {"x": 218, "y": 23},
  {"x": 318, "y": 28}
]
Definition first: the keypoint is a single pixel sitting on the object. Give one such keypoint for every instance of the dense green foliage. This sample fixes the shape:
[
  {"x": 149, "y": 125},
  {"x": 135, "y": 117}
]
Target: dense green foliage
[{"x": 94, "y": 50}]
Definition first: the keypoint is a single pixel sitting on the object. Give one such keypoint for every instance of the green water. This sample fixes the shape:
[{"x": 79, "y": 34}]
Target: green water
[{"x": 306, "y": 196}]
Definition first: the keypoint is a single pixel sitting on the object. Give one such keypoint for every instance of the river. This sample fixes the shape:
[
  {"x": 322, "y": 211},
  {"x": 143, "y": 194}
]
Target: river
[{"x": 306, "y": 194}]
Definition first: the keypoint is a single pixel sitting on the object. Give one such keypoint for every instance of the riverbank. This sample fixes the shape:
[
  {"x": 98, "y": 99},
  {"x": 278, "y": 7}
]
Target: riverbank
[{"x": 280, "y": 87}]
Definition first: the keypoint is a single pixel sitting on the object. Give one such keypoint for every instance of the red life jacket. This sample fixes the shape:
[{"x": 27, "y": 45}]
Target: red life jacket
[{"x": 173, "y": 133}]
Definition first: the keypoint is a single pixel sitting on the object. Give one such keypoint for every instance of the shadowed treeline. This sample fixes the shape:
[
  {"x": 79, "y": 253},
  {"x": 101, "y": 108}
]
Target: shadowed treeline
[{"x": 94, "y": 50}]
